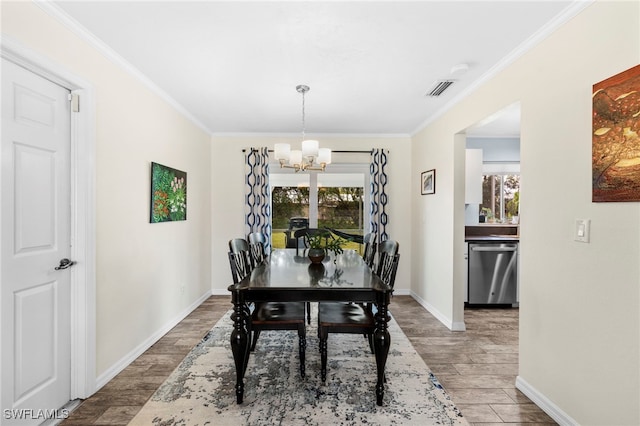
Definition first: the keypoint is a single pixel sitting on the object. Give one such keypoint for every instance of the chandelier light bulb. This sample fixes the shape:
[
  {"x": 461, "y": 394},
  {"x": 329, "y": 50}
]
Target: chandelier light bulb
[
  {"x": 310, "y": 148},
  {"x": 324, "y": 156},
  {"x": 282, "y": 151}
]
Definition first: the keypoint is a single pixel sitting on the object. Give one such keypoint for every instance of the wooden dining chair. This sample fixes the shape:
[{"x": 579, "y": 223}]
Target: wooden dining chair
[
  {"x": 369, "y": 254},
  {"x": 240, "y": 259},
  {"x": 257, "y": 247},
  {"x": 385, "y": 248},
  {"x": 303, "y": 235},
  {"x": 267, "y": 315},
  {"x": 352, "y": 318}
]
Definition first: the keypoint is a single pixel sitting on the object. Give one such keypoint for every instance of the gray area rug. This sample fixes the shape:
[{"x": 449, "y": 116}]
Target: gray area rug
[{"x": 201, "y": 389}]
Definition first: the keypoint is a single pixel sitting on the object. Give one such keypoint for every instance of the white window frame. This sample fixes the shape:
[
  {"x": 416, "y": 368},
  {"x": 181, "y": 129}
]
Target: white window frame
[{"x": 342, "y": 168}]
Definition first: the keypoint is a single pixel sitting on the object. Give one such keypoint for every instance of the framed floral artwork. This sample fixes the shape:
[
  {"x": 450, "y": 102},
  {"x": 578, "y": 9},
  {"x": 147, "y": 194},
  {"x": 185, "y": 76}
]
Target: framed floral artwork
[
  {"x": 428, "y": 182},
  {"x": 168, "y": 194}
]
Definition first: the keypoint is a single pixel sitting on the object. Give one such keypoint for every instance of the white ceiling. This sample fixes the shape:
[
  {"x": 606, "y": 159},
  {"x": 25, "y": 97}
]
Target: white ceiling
[{"x": 233, "y": 65}]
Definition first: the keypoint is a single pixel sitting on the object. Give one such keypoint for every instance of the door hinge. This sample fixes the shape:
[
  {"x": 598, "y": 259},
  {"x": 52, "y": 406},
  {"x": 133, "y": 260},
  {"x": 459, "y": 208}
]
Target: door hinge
[{"x": 75, "y": 102}]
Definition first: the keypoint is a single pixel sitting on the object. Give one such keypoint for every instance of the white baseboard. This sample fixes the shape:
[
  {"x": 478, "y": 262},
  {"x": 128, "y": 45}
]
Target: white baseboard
[
  {"x": 116, "y": 368},
  {"x": 453, "y": 326},
  {"x": 458, "y": 326},
  {"x": 544, "y": 403}
]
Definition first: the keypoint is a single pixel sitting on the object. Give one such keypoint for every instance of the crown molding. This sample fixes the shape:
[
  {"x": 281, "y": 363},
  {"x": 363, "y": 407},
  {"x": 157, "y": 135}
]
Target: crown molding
[
  {"x": 568, "y": 13},
  {"x": 76, "y": 28}
]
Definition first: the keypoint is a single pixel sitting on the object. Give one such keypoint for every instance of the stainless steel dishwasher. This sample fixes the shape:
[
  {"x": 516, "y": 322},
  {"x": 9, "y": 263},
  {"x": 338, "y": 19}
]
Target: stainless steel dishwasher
[{"x": 493, "y": 273}]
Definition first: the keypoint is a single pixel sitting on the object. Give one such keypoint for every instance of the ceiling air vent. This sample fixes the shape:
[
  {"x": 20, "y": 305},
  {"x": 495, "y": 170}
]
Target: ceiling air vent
[{"x": 439, "y": 87}]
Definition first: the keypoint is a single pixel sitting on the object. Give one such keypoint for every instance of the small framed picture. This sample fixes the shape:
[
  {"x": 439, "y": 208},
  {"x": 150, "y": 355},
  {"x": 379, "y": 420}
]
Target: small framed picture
[{"x": 428, "y": 182}]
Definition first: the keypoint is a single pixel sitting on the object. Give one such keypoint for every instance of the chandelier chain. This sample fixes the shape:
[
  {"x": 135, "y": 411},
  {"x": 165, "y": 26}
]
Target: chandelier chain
[{"x": 303, "y": 116}]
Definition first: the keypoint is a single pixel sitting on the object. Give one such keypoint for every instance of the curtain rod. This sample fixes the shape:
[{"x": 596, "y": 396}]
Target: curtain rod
[{"x": 340, "y": 152}]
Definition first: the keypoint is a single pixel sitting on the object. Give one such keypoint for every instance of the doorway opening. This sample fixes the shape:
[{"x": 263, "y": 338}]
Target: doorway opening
[{"x": 493, "y": 220}]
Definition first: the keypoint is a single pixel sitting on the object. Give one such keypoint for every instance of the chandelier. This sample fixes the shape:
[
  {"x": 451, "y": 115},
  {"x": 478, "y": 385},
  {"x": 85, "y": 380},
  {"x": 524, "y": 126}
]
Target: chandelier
[{"x": 310, "y": 157}]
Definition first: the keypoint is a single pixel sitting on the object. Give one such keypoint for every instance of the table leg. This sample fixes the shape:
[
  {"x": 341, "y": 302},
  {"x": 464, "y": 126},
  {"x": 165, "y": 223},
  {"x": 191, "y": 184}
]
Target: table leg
[
  {"x": 381, "y": 343},
  {"x": 239, "y": 342}
]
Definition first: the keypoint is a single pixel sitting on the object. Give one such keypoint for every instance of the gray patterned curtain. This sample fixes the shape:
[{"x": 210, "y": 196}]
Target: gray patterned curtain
[
  {"x": 257, "y": 193},
  {"x": 377, "y": 170}
]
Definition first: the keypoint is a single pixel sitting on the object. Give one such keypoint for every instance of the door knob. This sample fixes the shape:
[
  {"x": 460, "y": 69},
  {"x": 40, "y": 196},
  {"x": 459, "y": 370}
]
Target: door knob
[{"x": 64, "y": 264}]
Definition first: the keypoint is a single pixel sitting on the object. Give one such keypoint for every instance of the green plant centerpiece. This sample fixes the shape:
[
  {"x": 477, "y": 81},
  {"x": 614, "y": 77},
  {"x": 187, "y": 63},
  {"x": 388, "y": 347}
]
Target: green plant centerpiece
[{"x": 320, "y": 244}]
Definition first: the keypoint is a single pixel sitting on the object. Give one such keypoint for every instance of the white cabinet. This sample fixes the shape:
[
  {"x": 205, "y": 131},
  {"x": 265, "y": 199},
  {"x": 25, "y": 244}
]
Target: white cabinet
[{"x": 473, "y": 177}]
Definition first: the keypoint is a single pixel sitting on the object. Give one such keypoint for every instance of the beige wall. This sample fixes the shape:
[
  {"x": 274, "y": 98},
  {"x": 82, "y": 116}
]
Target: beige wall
[
  {"x": 580, "y": 303},
  {"x": 227, "y": 181},
  {"x": 140, "y": 267}
]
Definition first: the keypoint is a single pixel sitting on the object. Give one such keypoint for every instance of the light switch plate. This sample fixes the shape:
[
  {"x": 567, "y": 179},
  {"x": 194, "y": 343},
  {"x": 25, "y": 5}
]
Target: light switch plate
[{"x": 582, "y": 230}]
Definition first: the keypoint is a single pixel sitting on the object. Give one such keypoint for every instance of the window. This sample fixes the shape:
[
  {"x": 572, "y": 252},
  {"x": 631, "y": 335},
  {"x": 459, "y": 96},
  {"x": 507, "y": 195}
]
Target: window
[
  {"x": 501, "y": 198},
  {"x": 341, "y": 208},
  {"x": 323, "y": 200}
]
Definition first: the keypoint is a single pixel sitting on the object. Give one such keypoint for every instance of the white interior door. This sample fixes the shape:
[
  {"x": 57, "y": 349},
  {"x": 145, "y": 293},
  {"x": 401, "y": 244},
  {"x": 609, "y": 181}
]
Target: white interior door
[{"x": 35, "y": 233}]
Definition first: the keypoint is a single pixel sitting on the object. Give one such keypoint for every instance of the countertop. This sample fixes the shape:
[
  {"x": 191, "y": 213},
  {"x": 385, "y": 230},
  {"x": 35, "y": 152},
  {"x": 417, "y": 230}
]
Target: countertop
[{"x": 492, "y": 238}]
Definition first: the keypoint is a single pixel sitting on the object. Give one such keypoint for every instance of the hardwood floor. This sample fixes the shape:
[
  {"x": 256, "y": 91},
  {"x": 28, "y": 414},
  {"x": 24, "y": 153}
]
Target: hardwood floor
[
  {"x": 477, "y": 367},
  {"x": 121, "y": 399}
]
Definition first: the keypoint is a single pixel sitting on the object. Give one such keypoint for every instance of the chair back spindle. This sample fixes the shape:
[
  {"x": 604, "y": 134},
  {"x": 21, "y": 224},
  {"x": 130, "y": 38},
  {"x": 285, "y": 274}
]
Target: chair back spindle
[
  {"x": 385, "y": 249},
  {"x": 258, "y": 247},
  {"x": 239, "y": 259},
  {"x": 240, "y": 266},
  {"x": 388, "y": 269},
  {"x": 369, "y": 255}
]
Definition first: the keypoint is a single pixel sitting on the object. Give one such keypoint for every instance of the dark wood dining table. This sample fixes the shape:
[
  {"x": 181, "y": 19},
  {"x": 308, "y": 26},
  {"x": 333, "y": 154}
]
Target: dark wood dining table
[{"x": 289, "y": 276}]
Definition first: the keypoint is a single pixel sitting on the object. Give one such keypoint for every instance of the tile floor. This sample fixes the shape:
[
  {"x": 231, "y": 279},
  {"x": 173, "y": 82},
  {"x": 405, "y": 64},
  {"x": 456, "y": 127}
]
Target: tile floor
[{"x": 477, "y": 367}]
